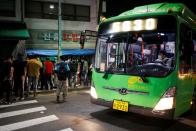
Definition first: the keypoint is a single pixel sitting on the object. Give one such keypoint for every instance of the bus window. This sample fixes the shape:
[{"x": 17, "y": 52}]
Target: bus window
[
  {"x": 101, "y": 61},
  {"x": 194, "y": 53},
  {"x": 121, "y": 54},
  {"x": 116, "y": 54},
  {"x": 185, "y": 49}
]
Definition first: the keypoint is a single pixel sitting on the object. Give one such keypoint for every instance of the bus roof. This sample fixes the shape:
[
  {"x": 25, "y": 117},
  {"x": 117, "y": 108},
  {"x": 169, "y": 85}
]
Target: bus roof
[{"x": 158, "y": 9}]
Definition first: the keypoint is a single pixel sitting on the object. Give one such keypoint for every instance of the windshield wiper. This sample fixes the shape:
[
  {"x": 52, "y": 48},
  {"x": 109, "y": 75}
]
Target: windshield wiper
[
  {"x": 108, "y": 71},
  {"x": 141, "y": 74}
]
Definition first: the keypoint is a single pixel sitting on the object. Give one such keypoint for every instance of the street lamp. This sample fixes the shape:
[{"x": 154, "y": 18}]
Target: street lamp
[{"x": 59, "y": 30}]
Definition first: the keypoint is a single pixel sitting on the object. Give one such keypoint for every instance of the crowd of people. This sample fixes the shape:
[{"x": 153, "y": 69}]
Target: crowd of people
[{"x": 20, "y": 76}]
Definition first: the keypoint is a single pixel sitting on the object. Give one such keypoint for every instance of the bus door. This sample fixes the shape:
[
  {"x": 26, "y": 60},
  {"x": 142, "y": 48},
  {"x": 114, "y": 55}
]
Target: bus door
[{"x": 185, "y": 87}]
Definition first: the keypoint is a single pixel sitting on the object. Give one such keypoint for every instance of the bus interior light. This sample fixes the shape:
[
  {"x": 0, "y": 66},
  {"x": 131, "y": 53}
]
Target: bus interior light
[{"x": 111, "y": 36}]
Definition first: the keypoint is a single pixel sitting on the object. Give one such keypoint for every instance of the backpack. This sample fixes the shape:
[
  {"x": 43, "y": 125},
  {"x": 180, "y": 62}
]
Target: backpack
[{"x": 62, "y": 71}]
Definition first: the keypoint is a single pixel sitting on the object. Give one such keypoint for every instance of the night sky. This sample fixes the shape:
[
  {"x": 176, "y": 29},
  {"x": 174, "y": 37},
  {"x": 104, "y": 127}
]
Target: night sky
[{"x": 115, "y": 7}]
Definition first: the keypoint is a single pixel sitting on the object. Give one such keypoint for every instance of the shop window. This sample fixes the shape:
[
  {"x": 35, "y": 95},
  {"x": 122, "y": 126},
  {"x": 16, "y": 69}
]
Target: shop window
[
  {"x": 49, "y": 10},
  {"x": 68, "y": 9},
  {"x": 33, "y": 9},
  {"x": 75, "y": 12},
  {"x": 7, "y": 8},
  {"x": 83, "y": 13}
]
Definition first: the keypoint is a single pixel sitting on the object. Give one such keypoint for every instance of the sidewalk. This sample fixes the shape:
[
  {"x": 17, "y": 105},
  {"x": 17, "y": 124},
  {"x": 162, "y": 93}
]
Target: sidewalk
[{"x": 54, "y": 90}]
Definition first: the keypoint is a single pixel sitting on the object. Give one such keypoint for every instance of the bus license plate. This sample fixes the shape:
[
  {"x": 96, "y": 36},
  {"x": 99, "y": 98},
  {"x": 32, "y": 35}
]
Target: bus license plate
[{"x": 120, "y": 105}]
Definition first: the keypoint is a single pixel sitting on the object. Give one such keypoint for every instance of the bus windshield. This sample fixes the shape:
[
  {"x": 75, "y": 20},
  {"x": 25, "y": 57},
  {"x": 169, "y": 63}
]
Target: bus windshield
[{"x": 136, "y": 53}]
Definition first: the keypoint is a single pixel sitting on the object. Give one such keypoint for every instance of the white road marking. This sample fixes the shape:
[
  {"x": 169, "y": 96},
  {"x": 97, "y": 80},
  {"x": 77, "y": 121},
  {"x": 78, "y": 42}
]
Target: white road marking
[
  {"x": 67, "y": 129},
  {"x": 19, "y": 103},
  {"x": 28, "y": 123},
  {"x": 20, "y": 112}
]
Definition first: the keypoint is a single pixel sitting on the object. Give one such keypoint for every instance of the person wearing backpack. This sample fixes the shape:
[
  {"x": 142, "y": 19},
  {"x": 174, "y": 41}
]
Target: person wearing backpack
[{"x": 61, "y": 71}]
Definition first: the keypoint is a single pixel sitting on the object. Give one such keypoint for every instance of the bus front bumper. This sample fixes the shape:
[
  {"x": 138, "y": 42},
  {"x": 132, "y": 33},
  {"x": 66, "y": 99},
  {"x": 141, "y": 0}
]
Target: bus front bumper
[{"x": 166, "y": 114}]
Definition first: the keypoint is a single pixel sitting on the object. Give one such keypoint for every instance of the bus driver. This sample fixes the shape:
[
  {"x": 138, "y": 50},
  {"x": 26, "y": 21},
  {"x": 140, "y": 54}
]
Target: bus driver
[{"x": 164, "y": 59}]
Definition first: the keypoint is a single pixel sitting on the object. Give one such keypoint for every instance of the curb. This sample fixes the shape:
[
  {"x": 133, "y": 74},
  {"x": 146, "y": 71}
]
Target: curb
[{"x": 53, "y": 91}]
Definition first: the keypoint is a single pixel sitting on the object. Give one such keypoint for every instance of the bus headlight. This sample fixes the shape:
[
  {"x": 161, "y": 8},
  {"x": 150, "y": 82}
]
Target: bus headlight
[
  {"x": 165, "y": 104},
  {"x": 93, "y": 92},
  {"x": 167, "y": 100}
]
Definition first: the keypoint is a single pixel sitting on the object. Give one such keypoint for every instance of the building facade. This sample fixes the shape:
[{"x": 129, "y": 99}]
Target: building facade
[{"x": 41, "y": 18}]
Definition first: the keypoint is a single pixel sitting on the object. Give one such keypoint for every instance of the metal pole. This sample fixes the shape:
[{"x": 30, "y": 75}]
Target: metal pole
[
  {"x": 22, "y": 10},
  {"x": 59, "y": 30}
]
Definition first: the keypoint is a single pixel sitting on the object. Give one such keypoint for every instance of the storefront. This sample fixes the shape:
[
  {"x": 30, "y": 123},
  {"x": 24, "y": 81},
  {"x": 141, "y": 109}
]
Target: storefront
[
  {"x": 69, "y": 53},
  {"x": 12, "y": 38}
]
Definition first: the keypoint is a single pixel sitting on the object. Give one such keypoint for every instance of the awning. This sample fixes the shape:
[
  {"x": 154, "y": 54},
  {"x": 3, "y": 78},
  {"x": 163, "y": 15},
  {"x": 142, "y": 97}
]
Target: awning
[
  {"x": 13, "y": 30},
  {"x": 73, "y": 52}
]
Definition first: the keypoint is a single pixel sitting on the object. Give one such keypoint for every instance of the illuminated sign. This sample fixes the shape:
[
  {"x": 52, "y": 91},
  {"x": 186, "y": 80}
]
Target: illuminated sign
[
  {"x": 48, "y": 36},
  {"x": 134, "y": 25}
]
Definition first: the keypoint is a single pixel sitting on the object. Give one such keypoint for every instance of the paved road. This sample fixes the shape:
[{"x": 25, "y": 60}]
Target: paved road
[{"x": 78, "y": 114}]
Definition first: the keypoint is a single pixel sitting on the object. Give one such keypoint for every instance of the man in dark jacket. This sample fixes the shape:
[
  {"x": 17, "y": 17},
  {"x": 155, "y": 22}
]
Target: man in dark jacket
[
  {"x": 7, "y": 78},
  {"x": 20, "y": 66},
  {"x": 61, "y": 70}
]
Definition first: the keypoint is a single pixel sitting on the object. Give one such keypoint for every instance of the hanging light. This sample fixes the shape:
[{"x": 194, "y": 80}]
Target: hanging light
[{"x": 51, "y": 6}]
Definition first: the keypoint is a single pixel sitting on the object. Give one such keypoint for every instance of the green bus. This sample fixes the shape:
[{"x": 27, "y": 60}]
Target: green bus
[{"x": 145, "y": 61}]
